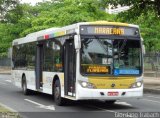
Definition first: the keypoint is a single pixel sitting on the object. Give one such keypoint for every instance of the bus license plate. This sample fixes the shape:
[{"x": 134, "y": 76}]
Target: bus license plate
[{"x": 113, "y": 93}]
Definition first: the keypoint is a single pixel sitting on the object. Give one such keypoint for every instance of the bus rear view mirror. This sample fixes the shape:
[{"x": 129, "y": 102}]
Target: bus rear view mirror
[
  {"x": 143, "y": 49},
  {"x": 10, "y": 53},
  {"x": 77, "y": 42}
]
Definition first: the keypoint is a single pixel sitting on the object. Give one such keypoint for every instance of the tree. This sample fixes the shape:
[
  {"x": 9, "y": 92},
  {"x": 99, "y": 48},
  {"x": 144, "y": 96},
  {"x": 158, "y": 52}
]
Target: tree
[
  {"x": 5, "y": 39},
  {"x": 7, "y": 6},
  {"x": 22, "y": 19},
  {"x": 52, "y": 14}
]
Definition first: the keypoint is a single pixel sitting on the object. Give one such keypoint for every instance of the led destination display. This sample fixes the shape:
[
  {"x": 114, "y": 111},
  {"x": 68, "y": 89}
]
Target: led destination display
[{"x": 109, "y": 30}]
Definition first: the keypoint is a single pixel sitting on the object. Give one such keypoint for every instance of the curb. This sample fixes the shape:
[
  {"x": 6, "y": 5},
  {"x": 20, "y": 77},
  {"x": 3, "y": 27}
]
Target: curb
[
  {"x": 5, "y": 73},
  {"x": 149, "y": 90}
]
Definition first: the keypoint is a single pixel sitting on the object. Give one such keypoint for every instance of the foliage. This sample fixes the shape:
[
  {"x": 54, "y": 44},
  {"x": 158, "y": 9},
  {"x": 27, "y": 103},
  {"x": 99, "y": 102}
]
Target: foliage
[
  {"x": 23, "y": 19},
  {"x": 52, "y": 14},
  {"x": 7, "y": 6}
]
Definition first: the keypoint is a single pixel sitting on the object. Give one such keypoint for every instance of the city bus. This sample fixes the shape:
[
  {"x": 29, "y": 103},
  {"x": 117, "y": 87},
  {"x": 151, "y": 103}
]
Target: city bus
[{"x": 84, "y": 61}]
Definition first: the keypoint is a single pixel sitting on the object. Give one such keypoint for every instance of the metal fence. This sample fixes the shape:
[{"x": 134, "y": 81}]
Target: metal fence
[
  {"x": 152, "y": 65},
  {"x": 152, "y": 62},
  {"x": 5, "y": 62},
  {"x": 5, "y": 65}
]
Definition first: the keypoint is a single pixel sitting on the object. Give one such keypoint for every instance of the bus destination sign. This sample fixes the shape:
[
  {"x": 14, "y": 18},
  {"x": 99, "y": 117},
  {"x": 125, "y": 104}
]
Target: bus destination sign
[{"x": 109, "y": 30}]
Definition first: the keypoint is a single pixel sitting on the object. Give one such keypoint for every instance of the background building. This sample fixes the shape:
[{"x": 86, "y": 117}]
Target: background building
[
  {"x": 33, "y": 2},
  {"x": 117, "y": 10}
]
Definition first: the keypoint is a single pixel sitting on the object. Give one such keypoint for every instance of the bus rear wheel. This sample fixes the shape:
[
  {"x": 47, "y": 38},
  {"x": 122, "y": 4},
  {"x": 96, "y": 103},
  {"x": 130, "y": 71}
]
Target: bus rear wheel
[
  {"x": 57, "y": 94},
  {"x": 24, "y": 86}
]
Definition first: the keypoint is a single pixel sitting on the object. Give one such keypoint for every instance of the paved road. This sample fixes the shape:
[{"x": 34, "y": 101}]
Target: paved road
[{"x": 42, "y": 105}]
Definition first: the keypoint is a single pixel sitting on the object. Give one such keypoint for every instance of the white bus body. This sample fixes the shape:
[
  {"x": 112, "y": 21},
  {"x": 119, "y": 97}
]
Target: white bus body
[{"x": 83, "y": 88}]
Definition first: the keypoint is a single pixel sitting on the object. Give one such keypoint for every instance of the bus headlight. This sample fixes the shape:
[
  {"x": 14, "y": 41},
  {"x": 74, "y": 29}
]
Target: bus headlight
[
  {"x": 137, "y": 84},
  {"x": 87, "y": 85}
]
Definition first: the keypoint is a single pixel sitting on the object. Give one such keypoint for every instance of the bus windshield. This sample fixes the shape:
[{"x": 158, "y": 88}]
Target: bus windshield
[{"x": 111, "y": 56}]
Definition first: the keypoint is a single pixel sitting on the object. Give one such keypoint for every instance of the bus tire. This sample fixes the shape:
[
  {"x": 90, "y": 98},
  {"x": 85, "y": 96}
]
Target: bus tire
[
  {"x": 24, "y": 86},
  {"x": 110, "y": 102},
  {"x": 57, "y": 94}
]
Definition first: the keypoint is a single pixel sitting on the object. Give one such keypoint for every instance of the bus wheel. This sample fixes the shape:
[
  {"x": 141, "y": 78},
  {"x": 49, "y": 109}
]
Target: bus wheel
[
  {"x": 57, "y": 94},
  {"x": 110, "y": 102},
  {"x": 24, "y": 86}
]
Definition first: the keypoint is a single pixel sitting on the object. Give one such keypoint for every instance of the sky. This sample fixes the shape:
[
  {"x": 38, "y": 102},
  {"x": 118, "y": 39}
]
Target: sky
[{"x": 33, "y": 2}]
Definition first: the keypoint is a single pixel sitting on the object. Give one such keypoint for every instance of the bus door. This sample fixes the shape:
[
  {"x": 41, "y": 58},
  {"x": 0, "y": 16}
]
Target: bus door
[
  {"x": 39, "y": 66},
  {"x": 69, "y": 68}
]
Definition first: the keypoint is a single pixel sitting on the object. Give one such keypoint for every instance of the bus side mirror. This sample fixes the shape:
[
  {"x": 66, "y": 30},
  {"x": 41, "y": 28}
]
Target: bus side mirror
[
  {"x": 10, "y": 53},
  {"x": 77, "y": 42},
  {"x": 143, "y": 49}
]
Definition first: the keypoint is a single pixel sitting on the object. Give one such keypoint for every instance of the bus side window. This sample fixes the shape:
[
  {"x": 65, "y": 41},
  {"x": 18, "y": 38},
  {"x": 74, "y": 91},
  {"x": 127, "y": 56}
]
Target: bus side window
[
  {"x": 57, "y": 58},
  {"x": 48, "y": 56},
  {"x": 52, "y": 56},
  {"x": 30, "y": 55},
  {"x": 14, "y": 59}
]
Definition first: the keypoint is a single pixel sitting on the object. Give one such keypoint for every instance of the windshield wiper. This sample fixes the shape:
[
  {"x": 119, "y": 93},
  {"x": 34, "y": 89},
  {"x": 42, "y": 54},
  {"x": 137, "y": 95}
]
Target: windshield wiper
[
  {"x": 98, "y": 40},
  {"x": 122, "y": 46}
]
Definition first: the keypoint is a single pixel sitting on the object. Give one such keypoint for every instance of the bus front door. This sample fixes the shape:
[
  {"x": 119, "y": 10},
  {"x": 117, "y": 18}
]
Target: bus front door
[
  {"x": 39, "y": 66},
  {"x": 69, "y": 68}
]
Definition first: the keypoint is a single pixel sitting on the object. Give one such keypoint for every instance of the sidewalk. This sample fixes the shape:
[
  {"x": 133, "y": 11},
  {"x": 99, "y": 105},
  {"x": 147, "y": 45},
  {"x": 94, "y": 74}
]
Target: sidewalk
[
  {"x": 5, "y": 70},
  {"x": 152, "y": 85}
]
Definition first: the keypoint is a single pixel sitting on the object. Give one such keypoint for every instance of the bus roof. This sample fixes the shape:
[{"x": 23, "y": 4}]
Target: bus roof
[{"x": 63, "y": 31}]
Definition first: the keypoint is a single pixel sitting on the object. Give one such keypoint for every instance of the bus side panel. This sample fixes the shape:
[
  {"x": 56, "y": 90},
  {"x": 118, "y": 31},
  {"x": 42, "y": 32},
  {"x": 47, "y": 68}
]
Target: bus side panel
[
  {"x": 17, "y": 78},
  {"x": 48, "y": 80},
  {"x": 30, "y": 78}
]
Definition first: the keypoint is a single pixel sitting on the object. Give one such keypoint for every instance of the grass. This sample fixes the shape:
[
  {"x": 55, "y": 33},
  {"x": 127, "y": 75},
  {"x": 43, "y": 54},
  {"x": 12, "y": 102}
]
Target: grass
[
  {"x": 6, "y": 113},
  {"x": 2, "y": 109}
]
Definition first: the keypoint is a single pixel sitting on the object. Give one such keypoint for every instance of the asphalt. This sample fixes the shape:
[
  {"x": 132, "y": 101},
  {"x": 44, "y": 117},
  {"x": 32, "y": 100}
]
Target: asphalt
[{"x": 42, "y": 106}]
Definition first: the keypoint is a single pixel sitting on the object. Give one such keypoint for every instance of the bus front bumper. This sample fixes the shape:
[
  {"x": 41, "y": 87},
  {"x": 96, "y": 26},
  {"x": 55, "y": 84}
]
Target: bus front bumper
[{"x": 103, "y": 94}]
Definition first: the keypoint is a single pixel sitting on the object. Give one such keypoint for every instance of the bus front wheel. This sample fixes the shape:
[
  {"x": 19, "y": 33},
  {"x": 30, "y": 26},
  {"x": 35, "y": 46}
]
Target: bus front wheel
[{"x": 57, "y": 94}]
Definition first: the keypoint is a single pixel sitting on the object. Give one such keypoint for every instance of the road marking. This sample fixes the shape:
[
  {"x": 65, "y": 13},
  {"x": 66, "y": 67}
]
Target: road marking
[
  {"x": 8, "y": 81},
  {"x": 36, "y": 103},
  {"x": 123, "y": 103},
  {"x": 150, "y": 100},
  {"x": 50, "y": 107}
]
